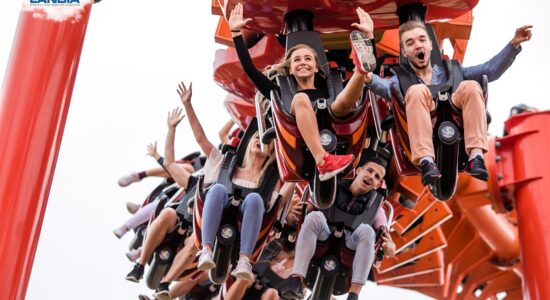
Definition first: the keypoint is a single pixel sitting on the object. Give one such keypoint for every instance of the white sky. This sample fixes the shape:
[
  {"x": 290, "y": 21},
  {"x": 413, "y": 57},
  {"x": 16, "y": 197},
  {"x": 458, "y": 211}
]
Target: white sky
[{"x": 134, "y": 54}]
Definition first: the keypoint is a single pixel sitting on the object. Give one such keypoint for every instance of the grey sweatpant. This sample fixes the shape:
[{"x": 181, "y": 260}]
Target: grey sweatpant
[{"x": 315, "y": 228}]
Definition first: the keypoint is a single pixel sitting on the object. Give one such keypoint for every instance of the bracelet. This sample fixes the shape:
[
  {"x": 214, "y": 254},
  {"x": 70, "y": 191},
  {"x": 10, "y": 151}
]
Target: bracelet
[
  {"x": 160, "y": 161},
  {"x": 235, "y": 31}
]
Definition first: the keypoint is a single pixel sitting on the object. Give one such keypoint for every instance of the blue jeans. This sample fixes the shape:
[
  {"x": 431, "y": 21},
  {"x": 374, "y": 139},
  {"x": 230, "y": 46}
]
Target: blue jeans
[{"x": 252, "y": 209}]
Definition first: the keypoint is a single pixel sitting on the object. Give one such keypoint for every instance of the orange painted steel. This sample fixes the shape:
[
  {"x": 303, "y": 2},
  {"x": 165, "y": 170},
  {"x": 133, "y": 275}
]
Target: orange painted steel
[
  {"x": 34, "y": 102},
  {"x": 469, "y": 246},
  {"x": 524, "y": 176}
]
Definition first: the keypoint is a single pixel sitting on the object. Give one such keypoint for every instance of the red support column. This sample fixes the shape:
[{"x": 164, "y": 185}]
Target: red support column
[
  {"x": 34, "y": 102},
  {"x": 523, "y": 173}
]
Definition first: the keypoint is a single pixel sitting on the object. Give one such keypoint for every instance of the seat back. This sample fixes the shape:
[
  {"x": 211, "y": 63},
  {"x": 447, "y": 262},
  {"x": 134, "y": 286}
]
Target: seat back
[{"x": 332, "y": 80}]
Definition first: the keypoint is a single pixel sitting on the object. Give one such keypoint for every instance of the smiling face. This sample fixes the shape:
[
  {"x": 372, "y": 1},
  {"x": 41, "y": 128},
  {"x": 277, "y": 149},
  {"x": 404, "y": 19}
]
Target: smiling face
[
  {"x": 368, "y": 178},
  {"x": 303, "y": 63},
  {"x": 416, "y": 47}
]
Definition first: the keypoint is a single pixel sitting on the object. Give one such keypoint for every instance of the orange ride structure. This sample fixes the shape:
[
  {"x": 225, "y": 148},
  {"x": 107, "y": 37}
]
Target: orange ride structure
[{"x": 487, "y": 241}]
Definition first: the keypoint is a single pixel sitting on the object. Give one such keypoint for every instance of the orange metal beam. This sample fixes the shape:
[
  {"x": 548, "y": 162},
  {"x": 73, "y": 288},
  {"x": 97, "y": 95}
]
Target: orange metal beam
[{"x": 429, "y": 243}]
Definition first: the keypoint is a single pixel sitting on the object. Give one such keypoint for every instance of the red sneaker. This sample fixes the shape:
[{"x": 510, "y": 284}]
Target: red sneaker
[
  {"x": 332, "y": 165},
  {"x": 362, "y": 52}
]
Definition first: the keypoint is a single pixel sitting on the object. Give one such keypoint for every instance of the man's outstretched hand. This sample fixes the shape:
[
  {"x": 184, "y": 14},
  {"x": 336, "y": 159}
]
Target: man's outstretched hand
[{"x": 522, "y": 34}]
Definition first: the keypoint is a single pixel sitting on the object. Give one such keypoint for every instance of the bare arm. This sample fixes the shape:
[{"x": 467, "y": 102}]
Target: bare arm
[
  {"x": 185, "y": 96},
  {"x": 224, "y": 132},
  {"x": 179, "y": 174}
]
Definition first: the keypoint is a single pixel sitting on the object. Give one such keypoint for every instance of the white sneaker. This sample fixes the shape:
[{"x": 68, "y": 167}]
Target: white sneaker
[
  {"x": 133, "y": 254},
  {"x": 126, "y": 180},
  {"x": 120, "y": 231},
  {"x": 132, "y": 207},
  {"x": 205, "y": 260},
  {"x": 243, "y": 270}
]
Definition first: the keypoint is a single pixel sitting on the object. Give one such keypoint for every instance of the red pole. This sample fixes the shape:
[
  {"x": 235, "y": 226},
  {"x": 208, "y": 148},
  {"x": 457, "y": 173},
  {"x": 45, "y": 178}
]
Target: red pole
[
  {"x": 34, "y": 102},
  {"x": 524, "y": 175}
]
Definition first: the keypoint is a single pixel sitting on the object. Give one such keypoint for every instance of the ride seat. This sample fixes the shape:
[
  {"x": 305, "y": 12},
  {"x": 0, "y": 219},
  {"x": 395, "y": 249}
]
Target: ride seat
[{"x": 331, "y": 83}]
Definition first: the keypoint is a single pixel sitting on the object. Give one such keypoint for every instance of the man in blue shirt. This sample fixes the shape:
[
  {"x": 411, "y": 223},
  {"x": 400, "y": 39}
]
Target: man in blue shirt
[{"x": 416, "y": 46}]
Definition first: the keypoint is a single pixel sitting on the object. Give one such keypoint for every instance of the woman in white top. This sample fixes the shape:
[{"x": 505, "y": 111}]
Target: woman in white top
[{"x": 249, "y": 175}]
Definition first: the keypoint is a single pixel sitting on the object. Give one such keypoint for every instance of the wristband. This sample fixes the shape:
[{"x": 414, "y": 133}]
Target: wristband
[{"x": 160, "y": 161}]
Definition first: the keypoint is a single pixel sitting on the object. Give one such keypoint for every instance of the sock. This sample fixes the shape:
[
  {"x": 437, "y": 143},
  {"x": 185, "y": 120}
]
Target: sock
[
  {"x": 353, "y": 296},
  {"x": 475, "y": 152},
  {"x": 142, "y": 175},
  {"x": 427, "y": 158}
]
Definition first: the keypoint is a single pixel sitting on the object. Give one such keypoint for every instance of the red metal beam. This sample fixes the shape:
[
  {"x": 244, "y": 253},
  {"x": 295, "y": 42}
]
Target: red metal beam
[{"x": 34, "y": 103}]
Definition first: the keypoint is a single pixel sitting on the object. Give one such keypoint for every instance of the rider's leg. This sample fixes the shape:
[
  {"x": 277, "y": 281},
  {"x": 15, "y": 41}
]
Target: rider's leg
[
  {"x": 270, "y": 294},
  {"x": 315, "y": 228},
  {"x": 419, "y": 104},
  {"x": 215, "y": 201},
  {"x": 238, "y": 289},
  {"x": 157, "y": 231},
  {"x": 344, "y": 103},
  {"x": 306, "y": 120},
  {"x": 141, "y": 216},
  {"x": 253, "y": 210},
  {"x": 362, "y": 241},
  {"x": 328, "y": 165},
  {"x": 184, "y": 286},
  {"x": 184, "y": 257},
  {"x": 469, "y": 98}
]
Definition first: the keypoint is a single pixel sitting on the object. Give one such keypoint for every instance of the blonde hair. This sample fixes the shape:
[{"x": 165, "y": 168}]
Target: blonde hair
[
  {"x": 408, "y": 26},
  {"x": 283, "y": 66},
  {"x": 247, "y": 160}
]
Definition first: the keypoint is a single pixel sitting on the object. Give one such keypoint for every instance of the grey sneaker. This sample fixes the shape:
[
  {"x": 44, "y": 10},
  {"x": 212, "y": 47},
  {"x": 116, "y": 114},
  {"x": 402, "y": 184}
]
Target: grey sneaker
[
  {"x": 126, "y": 180},
  {"x": 362, "y": 52},
  {"x": 205, "y": 260},
  {"x": 243, "y": 270}
]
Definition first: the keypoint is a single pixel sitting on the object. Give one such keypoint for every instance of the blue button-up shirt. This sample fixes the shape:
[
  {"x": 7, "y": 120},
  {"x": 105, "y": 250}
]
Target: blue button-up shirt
[{"x": 493, "y": 68}]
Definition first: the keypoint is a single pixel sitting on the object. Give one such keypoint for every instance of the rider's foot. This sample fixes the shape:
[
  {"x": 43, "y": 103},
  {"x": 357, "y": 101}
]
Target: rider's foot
[
  {"x": 293, "y": 289},
  {"x": 352, "y": 296},
  {"x": 205, "y": 259},
  {"x": 120, "y": 231},
  {"x": 476, "y": 168},
  {"x": 126, "y": 180},
  {"x": 243, "y": 270},
  {"x": 362, "y": 52},
  {"x": 132, "y": 207},
  {"x": 133, "y": 254},
  {"x": 332, "y": 165},
  {"x": 163, "y": 291},
  {"x": 430, "y": 172},
  {"x": 136, "y": 274}
]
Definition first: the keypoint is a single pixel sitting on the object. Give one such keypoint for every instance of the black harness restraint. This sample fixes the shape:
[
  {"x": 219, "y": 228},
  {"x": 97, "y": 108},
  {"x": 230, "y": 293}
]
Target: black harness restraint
[
  {"x": 336, "y": 215},
  {"x": 455, "y": 76},
  {"x": 265, "y": 189}
]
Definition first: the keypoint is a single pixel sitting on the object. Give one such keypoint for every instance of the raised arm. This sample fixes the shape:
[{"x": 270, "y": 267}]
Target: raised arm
[
  {"x": 225, "y": 131},
  {"x": 185, "y": 96},
  {"x": 236, "y": 23},
  {"x": 496, "y": 66},
  {"x": 179, "y": 174}
]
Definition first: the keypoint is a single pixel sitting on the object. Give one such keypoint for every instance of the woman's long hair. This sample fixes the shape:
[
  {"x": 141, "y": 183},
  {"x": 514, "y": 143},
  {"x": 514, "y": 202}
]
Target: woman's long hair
[
  {"x": 247, "y": 161},
  {"x": 283, "y": 66}
]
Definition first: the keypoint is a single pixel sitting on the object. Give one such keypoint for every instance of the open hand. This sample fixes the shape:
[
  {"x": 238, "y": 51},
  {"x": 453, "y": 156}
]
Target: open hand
[
  {"x": 152, "y": 150},
  {"x": 185, "y": 93},
  {"x": 174, "y": 117},
  {"x": 236, "y": 20},
  {"x": 522, "y": 34},
  {"x": 366, "y": 24}
]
